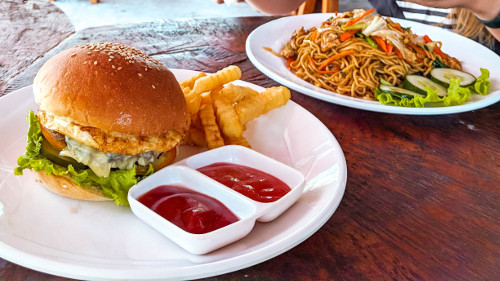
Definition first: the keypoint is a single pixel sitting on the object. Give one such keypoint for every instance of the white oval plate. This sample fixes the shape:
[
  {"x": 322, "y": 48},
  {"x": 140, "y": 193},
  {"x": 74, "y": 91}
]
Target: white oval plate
[
  {"x": 275, "y": 34},
  {"x": 96, "y": 240}
]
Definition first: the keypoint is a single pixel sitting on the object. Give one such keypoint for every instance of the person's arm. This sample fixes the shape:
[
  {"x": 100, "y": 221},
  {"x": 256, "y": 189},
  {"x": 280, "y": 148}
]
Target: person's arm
[
  {"x": 484, "y": 9},
  {"x": 275, "y": 7}
]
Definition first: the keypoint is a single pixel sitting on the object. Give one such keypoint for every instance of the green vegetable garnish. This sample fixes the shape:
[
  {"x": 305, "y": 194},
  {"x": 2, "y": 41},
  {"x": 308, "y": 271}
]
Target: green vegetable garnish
[
  {"x": 482, "y": 85},
  {"x": 456, "y": 96},
  {"x": 438, "y": 63},
  {"x": 371, "y": 42},
  {"x": 115, "y": 186},
  {"x": 384, "y": 82}
]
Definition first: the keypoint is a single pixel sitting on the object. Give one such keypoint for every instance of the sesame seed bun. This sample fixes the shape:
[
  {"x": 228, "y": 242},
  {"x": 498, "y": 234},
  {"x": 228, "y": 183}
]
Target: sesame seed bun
[
  {"x": 111, "y": 97},
  {"x": 112, "y": 88}
]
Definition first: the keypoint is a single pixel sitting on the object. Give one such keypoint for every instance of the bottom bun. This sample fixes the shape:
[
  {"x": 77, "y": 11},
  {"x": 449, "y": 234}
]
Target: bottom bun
[{"x": 68, "y": 188}]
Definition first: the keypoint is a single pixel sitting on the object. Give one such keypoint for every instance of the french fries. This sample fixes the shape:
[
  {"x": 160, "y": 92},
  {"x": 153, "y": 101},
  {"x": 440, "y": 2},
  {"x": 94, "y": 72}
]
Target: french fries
[
  {"x": 234, "y": 93},
  {"x": 275, "y": 97},
  {"x": 212, "y": 133},
  {"x": 249, "y": 108},
  {"x": 227, "y": 117},
  {"x": 189, "y": 83},
  {"x": 220, "y": 110},
  {"x": 221, "y": 77}
]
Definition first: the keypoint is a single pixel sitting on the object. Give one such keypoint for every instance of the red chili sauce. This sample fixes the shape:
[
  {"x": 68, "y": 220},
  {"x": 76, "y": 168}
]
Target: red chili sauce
[
  {"x": 252, "y": 183},
  {"x": 190, "y": 210}
]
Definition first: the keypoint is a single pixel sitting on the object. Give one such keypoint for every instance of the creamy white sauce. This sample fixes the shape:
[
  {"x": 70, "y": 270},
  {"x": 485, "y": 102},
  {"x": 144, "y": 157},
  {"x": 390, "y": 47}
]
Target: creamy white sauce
[{"x": 102, "y": 162}]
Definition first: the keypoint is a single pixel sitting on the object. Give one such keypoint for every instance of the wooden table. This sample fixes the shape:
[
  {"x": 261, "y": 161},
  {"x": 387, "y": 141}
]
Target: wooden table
[{"x": 422, "y": 199}]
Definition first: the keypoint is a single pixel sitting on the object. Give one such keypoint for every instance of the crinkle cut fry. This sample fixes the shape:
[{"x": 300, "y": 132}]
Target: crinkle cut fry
[{"x": 212, "y": 133}]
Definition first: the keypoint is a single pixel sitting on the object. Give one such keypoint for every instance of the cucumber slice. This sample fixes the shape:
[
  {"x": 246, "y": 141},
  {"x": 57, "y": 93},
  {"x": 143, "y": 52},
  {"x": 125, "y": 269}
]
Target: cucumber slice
[
  {"x": 443, "y": 76},
  {"x": 399, "y": 92},
  {"x": 418, "y": 84}
]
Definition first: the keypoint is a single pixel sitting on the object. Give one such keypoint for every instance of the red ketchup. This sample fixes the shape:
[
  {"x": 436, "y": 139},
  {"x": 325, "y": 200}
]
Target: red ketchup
[
  {"x": 190, "y": 210},
  {"x": 252, "y": 183}
]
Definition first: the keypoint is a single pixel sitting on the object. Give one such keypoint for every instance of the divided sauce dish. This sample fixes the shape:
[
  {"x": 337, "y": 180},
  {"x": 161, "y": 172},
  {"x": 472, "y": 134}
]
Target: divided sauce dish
[{"x": 185, "y": 174}]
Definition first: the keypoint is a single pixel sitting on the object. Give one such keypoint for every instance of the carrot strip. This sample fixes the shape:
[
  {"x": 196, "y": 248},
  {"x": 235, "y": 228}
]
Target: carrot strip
[
  {"x": 437, "y": 50},
  {"x": 389, "y": 49},
  {"x": 334, "y": 57},
  {"x": 398, "y": 53},
  {"x": 380, "y": 42},
  {"x": 398, "y": 27},
  {"x": 440, "y": 53},
  {"x": 319, "y": 70},
  {"x": 348, "y": 34},
  {"x": 355, "y": 20},
  {"x": 315, "y": 35},
  {"x": 417, "y": 49}
]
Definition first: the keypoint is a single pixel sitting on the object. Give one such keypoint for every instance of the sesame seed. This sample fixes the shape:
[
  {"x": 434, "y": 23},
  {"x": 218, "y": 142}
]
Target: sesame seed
[
  {"x": 73, "y": 54},
  {"x": 113, "y": 66},
  {"x": 119, "y": 68},
  {"x": 153, "y": 86},
  {"x": 140, "y": 74},
  {"x": 95, "y": 62},
  {"x": 128, "y": 54}
]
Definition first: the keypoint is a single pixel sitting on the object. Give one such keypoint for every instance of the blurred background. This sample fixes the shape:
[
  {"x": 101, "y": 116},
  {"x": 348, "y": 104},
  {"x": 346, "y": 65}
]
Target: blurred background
[{"x": 83, "y": 14}]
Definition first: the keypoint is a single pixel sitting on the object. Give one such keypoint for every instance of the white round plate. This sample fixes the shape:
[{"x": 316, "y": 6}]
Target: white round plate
[
  {"x": 275, "y": 34},
  {"x": 101, "y": 241}
]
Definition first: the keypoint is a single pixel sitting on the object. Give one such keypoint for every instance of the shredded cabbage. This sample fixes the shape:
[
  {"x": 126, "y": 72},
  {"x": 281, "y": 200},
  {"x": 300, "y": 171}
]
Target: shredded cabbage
[{"x": 376, "y": 23}]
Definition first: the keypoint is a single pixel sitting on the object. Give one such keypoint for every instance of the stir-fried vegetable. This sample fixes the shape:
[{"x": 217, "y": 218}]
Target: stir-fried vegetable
[
  {"x": 355, "y": 20},
  {"x": 377, "y": 23},
  {"x": 334, "y": 57}
]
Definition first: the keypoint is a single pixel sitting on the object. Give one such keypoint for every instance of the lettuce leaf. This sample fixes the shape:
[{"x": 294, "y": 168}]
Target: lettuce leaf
[
  {"x": 115, "y": 186},
  {"x": 482, "y": 84},
  {"x": 456, "y": 95}
]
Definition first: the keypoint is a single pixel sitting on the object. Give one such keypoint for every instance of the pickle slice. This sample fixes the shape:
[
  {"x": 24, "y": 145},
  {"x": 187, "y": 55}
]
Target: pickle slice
[{"x": 52, "y": 154}]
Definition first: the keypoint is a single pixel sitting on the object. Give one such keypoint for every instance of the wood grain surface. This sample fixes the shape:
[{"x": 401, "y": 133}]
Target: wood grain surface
[
  {"x": 422, "y": 200},
  {"x": 28, "y": 29}
]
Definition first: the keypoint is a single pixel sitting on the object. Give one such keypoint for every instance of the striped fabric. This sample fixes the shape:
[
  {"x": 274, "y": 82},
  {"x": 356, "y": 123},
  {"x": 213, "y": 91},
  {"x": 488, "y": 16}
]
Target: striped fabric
[{"x": 423, "y": 14}]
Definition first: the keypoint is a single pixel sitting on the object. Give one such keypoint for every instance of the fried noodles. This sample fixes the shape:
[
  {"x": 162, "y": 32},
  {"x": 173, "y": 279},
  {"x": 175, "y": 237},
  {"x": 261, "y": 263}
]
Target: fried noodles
[{"x": 352, "y": 58}]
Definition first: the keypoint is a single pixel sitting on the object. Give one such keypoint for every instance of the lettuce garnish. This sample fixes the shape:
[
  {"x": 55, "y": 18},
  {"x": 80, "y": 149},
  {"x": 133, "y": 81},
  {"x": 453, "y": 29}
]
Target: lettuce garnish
[
  {"x": 482, "y": 84},
  {"x": 115, "y": 186},
  {"x": 417, "y": 101},
  {"x": 456, "y": 95}
]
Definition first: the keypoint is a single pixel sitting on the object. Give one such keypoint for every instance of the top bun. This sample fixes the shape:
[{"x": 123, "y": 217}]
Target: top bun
[{"x": 114, "y": 88}]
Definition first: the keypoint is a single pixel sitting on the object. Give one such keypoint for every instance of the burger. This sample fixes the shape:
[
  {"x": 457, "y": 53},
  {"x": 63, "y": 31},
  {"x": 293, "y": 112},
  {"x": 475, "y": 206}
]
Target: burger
[{"x": 109, "y": 115}]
